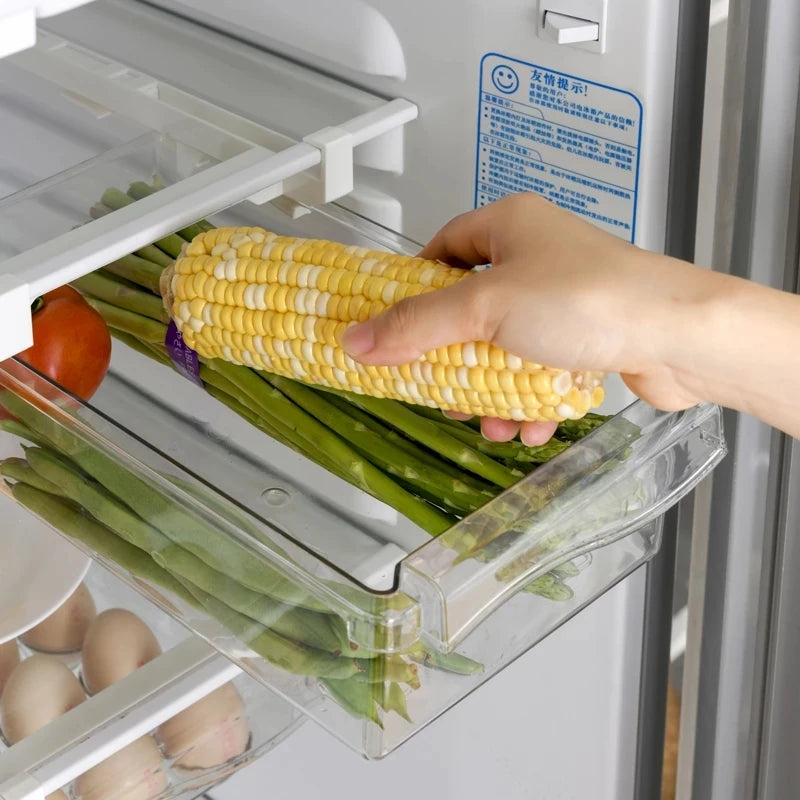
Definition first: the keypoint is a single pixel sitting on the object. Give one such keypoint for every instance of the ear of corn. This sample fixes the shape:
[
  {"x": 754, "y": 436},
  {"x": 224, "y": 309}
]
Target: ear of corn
[{"x": 281, "y": 304}]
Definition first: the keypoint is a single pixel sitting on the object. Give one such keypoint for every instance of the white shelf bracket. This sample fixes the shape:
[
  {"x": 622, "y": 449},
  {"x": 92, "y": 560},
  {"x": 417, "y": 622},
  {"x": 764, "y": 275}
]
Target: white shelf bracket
[
  {"x": 15, "y": 312},
  {"x": 21, "y": 787},
  {"x": 335, "y": 178}
]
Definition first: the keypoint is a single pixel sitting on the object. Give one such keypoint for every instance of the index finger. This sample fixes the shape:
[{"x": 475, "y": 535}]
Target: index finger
[{"x": 462, "y": 242}]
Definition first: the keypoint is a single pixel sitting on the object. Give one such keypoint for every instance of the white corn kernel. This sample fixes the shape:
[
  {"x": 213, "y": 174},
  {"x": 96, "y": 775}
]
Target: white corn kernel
[
  {"x": 310, "y": 302},
  {"x": 321, "y": 306},
  {"x": 303, "y": 275},
  {"x": 427, "y": 276},
  {"x": 562, "y": 383},
  {"x": 468, "y": 355},
  {"x": 566, "y": 410},
  {"x": 462, "y": 377},
  {"x": 387, "y": 295},
  {"x": 250, "y": 296}
]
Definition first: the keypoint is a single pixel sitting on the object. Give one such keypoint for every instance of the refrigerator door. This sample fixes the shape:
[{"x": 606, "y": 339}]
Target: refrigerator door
[{"x": 740, "y": 694}]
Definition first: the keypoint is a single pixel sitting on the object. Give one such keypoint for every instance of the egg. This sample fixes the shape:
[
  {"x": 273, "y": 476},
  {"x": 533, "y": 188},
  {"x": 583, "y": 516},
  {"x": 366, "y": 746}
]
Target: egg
[
  {"x": 9, "y": 658},
  {"x": 64, "y": 630},
  {"x": 209, "y": 732},
  {"x": 133, "y": 773},
  {"x": 39, "y": 690},
  {"x": 116, "y": 644}
]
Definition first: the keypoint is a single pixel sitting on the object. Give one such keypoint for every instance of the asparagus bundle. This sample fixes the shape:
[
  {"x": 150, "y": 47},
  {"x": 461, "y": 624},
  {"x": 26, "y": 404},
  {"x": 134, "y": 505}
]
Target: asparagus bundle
[{"x": 431, "y": 469}]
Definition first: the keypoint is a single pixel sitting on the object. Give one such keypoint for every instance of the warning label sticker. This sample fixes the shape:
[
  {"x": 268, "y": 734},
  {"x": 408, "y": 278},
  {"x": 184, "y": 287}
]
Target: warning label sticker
[{"x": 569, "y": 139}]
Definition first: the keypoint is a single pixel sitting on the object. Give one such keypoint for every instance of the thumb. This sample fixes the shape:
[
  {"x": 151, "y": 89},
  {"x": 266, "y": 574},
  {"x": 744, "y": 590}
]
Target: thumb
[{"x": 413, "y": 326}]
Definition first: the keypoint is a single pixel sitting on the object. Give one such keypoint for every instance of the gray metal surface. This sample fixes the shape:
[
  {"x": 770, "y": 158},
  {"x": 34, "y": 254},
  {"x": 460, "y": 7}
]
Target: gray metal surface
[
  {"x": 687, "y": 124},
  {"x": 755, "y": 232},
  {"x": 779, "y": 768}
]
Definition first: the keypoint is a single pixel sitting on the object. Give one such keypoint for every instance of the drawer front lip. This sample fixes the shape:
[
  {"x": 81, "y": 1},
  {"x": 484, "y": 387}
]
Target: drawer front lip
[{"x": 612, "y": 483}]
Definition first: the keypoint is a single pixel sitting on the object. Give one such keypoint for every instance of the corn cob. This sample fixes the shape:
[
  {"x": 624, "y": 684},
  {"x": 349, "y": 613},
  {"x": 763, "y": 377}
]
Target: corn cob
[{"x": 281, "y": 304}]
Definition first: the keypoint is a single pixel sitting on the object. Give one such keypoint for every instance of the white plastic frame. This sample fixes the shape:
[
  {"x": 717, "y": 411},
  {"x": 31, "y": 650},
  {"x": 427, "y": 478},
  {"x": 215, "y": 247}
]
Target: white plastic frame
[
  {"x": 55, "y": 755},
  {"x": 18, "y": 21},
  {"x": 255, "y": 163}
]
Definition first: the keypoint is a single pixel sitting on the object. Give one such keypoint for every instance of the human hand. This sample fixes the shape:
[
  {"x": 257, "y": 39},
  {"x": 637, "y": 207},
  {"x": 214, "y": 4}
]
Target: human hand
[{"x": 560, "y": 292}]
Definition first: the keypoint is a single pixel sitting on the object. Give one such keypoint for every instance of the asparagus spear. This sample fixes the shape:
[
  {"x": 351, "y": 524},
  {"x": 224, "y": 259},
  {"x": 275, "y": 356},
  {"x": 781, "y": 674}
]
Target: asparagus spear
[
  {"x": 139, "y": 326},
  {"x": 396, "y": 461},
  {"x": 138, "y": 270},
  {"x": 145, "y": 348},
  {"x": 364, "y": 474},
  {"x": 428, "y": 433},
  {"x": 522, "y": 455},
  {"x": 478, "y": 485},
  {"x": 103, "y": 287}
]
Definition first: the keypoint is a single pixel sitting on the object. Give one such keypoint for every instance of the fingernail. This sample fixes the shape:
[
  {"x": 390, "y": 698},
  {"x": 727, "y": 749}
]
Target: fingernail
[{"x": 359, "y": 339}]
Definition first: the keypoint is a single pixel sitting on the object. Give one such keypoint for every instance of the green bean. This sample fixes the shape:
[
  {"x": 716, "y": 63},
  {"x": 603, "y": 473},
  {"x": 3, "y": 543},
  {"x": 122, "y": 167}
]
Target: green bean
[
  {"x": 450, "y": 662},
  {"x": 65, "y": 517},
  {"x": 390, "y": 697},
  {"x": 357, "y": 698},
  {"x": 19, "y": 469},
  {"x": 18, "y": 429},
  {"x": 175, "y": 521},
  {"x": 551, "y": 587},
  {"x": 278, "y": 650}
]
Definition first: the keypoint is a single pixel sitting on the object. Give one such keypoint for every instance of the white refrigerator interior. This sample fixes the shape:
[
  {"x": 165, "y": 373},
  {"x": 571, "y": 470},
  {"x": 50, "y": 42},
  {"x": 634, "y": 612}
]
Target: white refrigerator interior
[
  {"x": 377, "y": 121},
  {"x": 560, "y": 722}
]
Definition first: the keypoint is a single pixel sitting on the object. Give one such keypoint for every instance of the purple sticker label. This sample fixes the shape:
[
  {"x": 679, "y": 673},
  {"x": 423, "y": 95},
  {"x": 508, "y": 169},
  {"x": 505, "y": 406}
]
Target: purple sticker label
[{"x": 183, "y": 357}]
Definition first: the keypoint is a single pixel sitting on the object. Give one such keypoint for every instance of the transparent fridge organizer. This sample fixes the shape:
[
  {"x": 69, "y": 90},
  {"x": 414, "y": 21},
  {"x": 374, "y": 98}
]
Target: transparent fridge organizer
[
  {"x": 336, "y": 603},
  {"x": 329, "y": 598},
  {"x": 170, "y": 728}
]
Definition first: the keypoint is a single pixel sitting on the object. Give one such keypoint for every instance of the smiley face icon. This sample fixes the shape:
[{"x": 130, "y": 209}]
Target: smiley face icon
[{"x": 505, "y": 79}]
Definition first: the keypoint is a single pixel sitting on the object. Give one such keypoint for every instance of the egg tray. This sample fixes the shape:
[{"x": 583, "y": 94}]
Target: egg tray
[{"x": 171, "y": 777}]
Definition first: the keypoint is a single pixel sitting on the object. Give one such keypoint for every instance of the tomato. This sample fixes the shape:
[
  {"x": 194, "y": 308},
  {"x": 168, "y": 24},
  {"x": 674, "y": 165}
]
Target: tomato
[{"x": 71, "y": 342}]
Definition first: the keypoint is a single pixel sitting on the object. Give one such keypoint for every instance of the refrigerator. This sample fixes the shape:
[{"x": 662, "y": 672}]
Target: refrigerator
[{"x": 372, "y": 123}]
